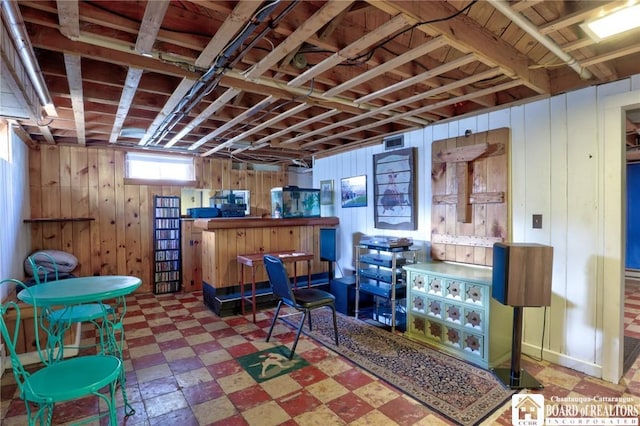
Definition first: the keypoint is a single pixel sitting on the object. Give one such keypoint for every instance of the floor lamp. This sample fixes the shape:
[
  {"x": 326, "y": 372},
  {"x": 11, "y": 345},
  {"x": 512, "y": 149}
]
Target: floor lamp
[{"x": 521, "y": 278}]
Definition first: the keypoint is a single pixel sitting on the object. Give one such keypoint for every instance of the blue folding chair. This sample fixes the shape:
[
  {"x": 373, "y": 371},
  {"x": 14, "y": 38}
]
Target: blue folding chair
[{"x": 303, "y": 299}]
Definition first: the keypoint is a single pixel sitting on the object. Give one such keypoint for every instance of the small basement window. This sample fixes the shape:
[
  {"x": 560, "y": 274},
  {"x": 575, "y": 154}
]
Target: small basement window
[{"x": 159, "y": 167}]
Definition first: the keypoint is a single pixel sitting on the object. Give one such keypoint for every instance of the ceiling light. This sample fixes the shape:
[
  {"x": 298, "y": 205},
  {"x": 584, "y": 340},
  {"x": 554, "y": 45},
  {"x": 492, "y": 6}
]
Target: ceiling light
[
  {"x": 614, "y": 23},
  {"x": 133, "y": 132},
  {"x": 299, "y": 61}
]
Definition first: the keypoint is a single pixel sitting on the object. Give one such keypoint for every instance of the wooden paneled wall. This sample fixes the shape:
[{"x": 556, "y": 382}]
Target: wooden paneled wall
[{"x": 71, "y": 182}]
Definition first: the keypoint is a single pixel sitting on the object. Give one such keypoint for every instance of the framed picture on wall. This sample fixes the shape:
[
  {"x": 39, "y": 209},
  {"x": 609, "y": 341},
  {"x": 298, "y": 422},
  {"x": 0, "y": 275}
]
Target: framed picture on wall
[
  {"x": 353, "y": 191},
  {"x": 326, "y": 192},
  {"x": 394, "y": 190}
]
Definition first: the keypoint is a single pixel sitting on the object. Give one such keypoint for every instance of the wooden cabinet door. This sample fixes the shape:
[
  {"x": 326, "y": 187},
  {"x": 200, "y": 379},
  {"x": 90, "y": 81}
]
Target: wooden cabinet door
[{"x": 191, "y": 256}]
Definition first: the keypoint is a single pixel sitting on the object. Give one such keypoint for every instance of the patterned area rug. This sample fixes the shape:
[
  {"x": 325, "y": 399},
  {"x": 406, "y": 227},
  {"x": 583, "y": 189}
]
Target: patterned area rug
[{"x": 464, "y": 393}]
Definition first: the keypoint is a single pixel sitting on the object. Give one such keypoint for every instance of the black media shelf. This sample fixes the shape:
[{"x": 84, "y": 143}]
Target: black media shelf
[{"x": 167, "y": 270}]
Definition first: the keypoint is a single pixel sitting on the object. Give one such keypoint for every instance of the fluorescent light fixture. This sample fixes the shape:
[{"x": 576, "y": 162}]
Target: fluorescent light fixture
[
  {"x": 133, "y": 132},
  {"x": 614, "y": 23}
]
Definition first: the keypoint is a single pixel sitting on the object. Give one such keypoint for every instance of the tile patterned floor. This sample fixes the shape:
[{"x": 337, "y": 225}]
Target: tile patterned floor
[{"x": 181, "y": 369}]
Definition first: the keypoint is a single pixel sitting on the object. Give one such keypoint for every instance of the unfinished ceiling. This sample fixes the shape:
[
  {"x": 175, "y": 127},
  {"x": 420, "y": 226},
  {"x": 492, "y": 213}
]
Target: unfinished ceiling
[{"x": 274, "y": 81}]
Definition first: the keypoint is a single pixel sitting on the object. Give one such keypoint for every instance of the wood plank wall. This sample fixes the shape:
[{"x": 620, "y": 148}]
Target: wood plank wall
[{"x": 70, "y": 181}]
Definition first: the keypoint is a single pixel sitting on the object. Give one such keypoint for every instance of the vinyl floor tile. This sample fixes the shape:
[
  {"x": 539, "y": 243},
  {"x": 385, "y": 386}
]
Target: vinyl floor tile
[{"x": 182, "y": 371}]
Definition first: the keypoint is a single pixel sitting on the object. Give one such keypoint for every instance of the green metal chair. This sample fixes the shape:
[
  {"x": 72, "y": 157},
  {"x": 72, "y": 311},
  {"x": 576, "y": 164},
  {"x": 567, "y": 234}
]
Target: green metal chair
[
  {"x": 45, "y": 268},
  {"x": 60, "y": 380}
]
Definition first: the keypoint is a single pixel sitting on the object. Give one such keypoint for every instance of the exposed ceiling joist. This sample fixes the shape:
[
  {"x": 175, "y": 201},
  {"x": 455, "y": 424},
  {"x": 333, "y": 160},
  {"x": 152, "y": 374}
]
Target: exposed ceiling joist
[{"x": 269, "y": 80}]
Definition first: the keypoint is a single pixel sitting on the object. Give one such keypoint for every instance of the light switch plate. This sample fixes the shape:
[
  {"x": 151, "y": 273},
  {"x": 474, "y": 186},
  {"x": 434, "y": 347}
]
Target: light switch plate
[{"x": 537, "y": 221}]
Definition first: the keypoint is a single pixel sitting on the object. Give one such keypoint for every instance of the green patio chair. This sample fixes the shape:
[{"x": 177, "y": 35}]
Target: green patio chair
[
  {"x": 45, "y": 268},
  {"x": 60, "y": 380}
]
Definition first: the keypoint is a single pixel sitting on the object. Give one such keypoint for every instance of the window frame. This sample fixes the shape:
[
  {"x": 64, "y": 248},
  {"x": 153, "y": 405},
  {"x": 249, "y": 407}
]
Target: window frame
[{"x": 158, "y": 158}]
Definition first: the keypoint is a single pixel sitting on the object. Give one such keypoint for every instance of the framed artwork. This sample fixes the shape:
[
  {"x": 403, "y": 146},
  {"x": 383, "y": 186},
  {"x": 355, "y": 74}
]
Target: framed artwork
[
  {"x": 394, "y": 189},
  {"x": 353, "y": 191},
  {"x": 326, "y": 192}
]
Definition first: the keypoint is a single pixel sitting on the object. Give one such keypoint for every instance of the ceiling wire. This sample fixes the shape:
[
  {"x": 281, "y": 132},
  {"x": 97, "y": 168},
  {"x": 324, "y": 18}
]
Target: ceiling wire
[
  {"x": 369, "y": 54},
  {"x": 38, "y": 123},
  {"x": 210, "y": 79},
  {"x": 191, "y": 99}
]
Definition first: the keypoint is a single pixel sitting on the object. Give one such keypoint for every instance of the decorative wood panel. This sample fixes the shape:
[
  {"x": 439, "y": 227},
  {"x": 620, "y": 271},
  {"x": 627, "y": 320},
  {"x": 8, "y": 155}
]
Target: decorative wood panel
[
  {"x": 469, "y": 209},
  {"x": 75, "y": 181}
]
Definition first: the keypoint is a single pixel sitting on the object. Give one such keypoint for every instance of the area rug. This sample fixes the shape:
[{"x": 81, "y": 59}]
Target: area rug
[
  {"x": 464, "y": 393},
  {"x": 631, "y": 352},
  {"x": 270, "y": 363}
]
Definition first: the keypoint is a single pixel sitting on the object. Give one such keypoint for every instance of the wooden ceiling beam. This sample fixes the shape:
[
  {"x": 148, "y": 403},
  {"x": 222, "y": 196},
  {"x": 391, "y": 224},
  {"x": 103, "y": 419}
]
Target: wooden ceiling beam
[
  {"x": 302, "y": 33},
  {"x": 229, "y": 124},
  {"x": 436, "y": 105},
  {"x": 153, "y": 16},
  {"x": 580, "y": 16},
  {"x": 269, "y": 123},
  {"x": 334, "y": 23},
  {"x": 126, "y": 98},
  {"x": 522, "y": 5},
  {"x": 46, "y": 133},
  {"x": 50, "y": 39},
  {"x": 235, "y": 21},
  {"x": 406, "y": 57},
  {"x": 419, "y": 78},
  {"x": 382, "y": 32},
  {"x": 96, "y": 20},
  {"x": 297, "y": 126},
  {"x": 618, "y": 53},
  {"x": 216, "y": 105},
  {"x": 21, "y": 132},
  {"x": 68, "y": 17},
  {"x": 74, "y": 78},
  {"x": 467, "y": 36}
]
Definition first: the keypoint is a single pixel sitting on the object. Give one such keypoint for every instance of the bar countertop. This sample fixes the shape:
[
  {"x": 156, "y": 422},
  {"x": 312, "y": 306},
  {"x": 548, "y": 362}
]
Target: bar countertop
[{"x": 258, "y": 222}]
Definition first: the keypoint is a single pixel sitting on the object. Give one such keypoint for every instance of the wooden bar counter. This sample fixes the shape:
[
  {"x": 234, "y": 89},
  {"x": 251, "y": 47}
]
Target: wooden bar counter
[{"x": 223, "y": 239}]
